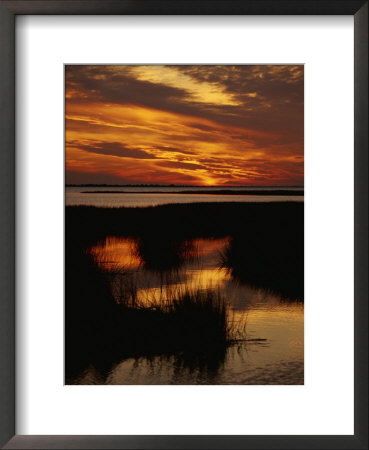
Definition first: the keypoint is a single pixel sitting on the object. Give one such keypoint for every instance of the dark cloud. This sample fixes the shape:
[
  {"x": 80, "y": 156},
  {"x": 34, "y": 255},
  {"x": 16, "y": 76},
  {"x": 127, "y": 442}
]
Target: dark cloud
[
  {"x": 96, "y": 83},
  {"x": 253, "y": 128},
  {"x": 113, "y": 149},
  {"x": 278, "y": 104}
]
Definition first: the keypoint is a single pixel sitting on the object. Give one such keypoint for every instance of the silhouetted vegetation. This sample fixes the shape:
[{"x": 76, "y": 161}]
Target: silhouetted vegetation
[
  {"x": 208, "y": 192},
  {"x": 266, "y": 249},
  {"x": 179, "y": 221},
  {"x": 192, "y": 326},
  {"x": 162, "y": 254},
  {"x": 277, "y": 265}
]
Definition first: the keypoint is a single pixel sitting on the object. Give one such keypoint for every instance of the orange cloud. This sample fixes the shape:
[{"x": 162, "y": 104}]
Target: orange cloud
[{"x": 196, "y": 132}]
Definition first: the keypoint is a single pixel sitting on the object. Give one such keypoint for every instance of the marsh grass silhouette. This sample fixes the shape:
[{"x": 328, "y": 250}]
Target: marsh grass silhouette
[
  {"x": 269, "y": 192},
  {"x": 162, "y": 254},
  {"x": 269, "y": 256},
  {"x": 179, "y": 221},
  {"x": 192, "y": 326},
  {"x": 266, "y": 250}
]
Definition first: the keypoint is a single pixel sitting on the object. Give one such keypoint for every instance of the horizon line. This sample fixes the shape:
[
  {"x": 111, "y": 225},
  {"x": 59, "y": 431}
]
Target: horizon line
[{"x": 182, "y": 185}]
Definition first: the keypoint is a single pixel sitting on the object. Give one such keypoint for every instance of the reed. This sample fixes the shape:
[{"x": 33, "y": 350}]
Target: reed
[{"x": 105, "y": 322}]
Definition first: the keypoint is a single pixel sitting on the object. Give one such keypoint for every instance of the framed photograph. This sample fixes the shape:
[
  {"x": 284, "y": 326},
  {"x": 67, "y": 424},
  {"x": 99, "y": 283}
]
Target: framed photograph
[
  {"x": 176, "y": 191},
  {"x": 184, "y": 224}
]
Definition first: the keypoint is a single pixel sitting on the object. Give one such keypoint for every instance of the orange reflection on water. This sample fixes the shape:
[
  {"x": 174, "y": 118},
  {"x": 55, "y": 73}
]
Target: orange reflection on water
[
  {"x": 200, "y": 269},
  {"x": 282, "y": 325},
  {"x": 206, "y": 247},
  {"x": 195, "y": 280},
  {"x": 117, "y": 253},
  {"x": 273, "y": 352}
]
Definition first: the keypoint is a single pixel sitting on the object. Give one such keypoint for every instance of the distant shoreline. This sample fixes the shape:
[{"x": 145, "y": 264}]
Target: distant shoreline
[
  {"x": 203, "y": 192},
  {"x": 186, "y": 186}
]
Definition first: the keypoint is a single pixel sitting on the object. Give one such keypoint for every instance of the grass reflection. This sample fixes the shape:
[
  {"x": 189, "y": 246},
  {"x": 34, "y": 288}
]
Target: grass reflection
[{"x": 194, "y": 326}]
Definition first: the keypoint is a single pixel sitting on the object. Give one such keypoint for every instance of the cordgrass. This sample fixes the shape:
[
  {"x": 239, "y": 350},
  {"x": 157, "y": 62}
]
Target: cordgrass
[
  {"x": 195, "y": 326},
  {"x": 266, "y": 249}
]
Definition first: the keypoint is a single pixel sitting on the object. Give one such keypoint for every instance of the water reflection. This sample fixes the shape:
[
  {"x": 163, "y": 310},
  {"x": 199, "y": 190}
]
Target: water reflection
[
  {"x": 195, "y": 266},
  {"x": 272, "y": 352},
  {"x": 75, "y": 197},
  {"x": 276, "y": 360},
  {"x": 117, "y": 253},
  {"x": 200, "y": 267}
]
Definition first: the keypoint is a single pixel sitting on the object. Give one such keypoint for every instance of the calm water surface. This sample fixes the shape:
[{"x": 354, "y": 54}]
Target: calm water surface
[
  {"x": 273, "y": 352},
  {"x": 141, "y": 196}
]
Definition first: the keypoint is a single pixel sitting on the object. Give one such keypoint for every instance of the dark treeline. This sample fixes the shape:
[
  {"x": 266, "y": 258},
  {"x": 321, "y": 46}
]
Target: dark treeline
[
  {"x": 209, "y": 192},
  {"x": 172, "y": 185},
  {"x": 127, "y": 185}
]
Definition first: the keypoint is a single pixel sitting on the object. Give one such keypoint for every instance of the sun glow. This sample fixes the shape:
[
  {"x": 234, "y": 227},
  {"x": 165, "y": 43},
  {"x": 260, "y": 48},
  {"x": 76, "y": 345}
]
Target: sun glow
[{"x": 183, "y": 124}]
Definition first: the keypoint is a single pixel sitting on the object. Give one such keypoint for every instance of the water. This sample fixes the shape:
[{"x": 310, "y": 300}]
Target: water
[
  {"x": 272, "y": 351},
  {"x": 143, "y": 196}
]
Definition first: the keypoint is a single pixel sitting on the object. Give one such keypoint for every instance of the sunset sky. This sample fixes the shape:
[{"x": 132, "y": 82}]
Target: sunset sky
[{"x": 191, "y": 125}]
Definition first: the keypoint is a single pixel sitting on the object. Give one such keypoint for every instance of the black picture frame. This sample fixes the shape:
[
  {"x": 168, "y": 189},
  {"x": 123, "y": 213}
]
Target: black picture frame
[{"x": 8, "y": 11}]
